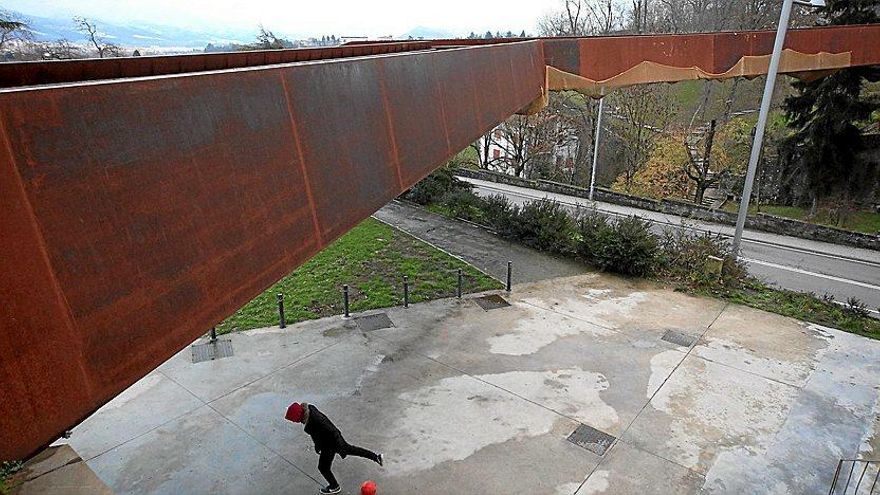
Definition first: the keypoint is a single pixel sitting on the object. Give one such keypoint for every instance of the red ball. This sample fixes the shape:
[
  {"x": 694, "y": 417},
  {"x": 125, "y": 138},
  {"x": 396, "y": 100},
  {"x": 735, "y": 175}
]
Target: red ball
[{"x": 368, "y": 488}]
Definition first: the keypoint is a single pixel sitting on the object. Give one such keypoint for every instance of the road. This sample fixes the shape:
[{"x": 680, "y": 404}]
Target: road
[{"x": 789, "y": 262}]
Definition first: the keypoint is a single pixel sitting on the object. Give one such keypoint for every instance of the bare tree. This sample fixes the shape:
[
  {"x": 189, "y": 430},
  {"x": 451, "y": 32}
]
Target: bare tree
[
  {"x": 12, "y": 28},
  {"x": 60, "y": 50},
  {"x": 94, "y": 38},
  {"x": 638, "y": 114},
  {"x": 581, "y": 18},
  {"x": 698, "y": 167}
]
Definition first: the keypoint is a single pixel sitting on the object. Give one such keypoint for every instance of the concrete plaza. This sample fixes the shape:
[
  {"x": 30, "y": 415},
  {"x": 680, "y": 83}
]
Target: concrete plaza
[{"x": 466, "y": 400}]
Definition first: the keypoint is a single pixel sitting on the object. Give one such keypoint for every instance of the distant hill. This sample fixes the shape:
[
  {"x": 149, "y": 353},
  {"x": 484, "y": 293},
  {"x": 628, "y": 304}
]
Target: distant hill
[
  {"x": 427, "y": 33},
  {"x": 136, "y": 36}
]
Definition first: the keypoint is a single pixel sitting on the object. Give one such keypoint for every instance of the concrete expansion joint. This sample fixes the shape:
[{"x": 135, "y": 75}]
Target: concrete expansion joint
[
  {"x": 469, "y": 375},
  {"x": 147, "y": 432},
  {"x": 210, "y": 406}
]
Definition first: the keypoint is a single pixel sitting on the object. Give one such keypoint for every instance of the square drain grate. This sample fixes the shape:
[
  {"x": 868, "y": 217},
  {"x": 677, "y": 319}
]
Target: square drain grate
[
  {"x": 211, "y": 351},
  {"x": 679, "y": 338},
  {"x": 493, "y": 301},
  {"x": 591, "y": 439},
  {"x": 378, "y": 321}
]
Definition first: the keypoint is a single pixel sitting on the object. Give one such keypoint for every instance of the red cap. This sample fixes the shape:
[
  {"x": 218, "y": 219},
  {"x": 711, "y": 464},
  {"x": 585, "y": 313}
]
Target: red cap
[{"x": 294, "y": 412}]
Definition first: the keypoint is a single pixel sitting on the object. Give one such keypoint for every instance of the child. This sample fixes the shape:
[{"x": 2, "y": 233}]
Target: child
[{"x": 328, "y": 441}]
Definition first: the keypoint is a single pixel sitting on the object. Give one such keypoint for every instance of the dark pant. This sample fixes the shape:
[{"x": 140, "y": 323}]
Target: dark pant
[{"x": 327, "y": 455}]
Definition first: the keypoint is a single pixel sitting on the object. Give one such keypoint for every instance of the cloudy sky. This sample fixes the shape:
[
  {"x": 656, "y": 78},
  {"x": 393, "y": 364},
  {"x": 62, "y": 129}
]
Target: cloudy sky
[{"x": 342, "y": 17}]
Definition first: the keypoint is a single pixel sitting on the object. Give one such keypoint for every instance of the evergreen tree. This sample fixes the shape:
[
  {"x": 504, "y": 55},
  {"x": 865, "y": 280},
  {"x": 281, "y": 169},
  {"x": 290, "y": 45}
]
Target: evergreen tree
[
  {"x": 825, "y": 115},
  {"x": 488, "y": 35},
  {"x": 522, "y": 34}
]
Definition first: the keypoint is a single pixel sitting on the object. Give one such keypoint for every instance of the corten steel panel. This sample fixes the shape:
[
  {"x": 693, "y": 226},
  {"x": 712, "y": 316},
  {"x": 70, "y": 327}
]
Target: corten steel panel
[
  {"x": 138, "y": 213},
  {"x": 604, "y": 57},
  {"x": 59, "y": 71}
]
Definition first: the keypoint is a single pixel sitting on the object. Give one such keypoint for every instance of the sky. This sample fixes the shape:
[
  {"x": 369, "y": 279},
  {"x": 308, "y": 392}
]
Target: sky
[{"x": 340, "y": 17}]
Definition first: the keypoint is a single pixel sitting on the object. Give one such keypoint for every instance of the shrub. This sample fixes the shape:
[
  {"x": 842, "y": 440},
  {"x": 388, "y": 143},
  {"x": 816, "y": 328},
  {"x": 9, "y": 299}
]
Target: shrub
[
  {"x": 543, "y": 225},
  {"x": 856, "y": 308},
  {"x": 432, "y": 188},
  {"x": 463, "y": 203},
  {"x": 684, "y": 255},
  {"x": 624, "y": 246},
  {"x": 498, "y": 214},
  {"x": 594, "y": 232}
]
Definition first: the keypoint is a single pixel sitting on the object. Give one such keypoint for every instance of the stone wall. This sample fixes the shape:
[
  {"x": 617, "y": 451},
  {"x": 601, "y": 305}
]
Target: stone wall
[{"x": 760, "y": 221}]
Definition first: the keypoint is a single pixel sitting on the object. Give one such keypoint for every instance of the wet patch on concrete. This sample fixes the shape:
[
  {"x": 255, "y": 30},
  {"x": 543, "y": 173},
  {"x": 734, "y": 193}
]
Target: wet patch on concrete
[
  {"x": 538, "y": 329},
  {"x": 627, "y": 469},
  {"x": 766, "y": 344},
  {"x": 705, "y": 407},
  {"x": 429, "y": 430}
]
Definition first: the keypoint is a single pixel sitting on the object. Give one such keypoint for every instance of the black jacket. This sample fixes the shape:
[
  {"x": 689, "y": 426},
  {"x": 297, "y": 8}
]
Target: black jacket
[{"x": 323, "y": 432}]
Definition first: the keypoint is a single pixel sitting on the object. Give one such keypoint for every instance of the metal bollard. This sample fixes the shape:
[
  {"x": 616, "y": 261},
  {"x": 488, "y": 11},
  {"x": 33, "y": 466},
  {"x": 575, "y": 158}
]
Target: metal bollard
[
  {"x": 345, "y": 299},
  {"x": 213, "y": 334},
  {"x": 509, "y": 263},
  {"x": 459, "y": 284},
  {"x": 280, "y": 297},
  {"x": 405, "y": 291}
]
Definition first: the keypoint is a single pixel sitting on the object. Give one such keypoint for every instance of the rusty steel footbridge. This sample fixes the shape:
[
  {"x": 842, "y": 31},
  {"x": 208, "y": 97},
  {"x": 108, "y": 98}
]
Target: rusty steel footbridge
[{"x": 143, "y": 200}]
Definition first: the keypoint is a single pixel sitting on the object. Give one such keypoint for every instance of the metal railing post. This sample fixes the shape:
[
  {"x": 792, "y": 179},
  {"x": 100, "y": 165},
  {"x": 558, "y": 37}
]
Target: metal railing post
[
  {"x": 281, "y": 322},
  {"x": 345, "y": 300},
  {"x": 509, "y": 278},
  {"x": 458, "y": 293},
  {"x": 405, "y": 291}
]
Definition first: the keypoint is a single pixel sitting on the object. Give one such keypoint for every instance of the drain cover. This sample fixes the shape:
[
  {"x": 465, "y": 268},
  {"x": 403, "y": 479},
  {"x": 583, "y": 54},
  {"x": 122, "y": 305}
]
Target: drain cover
[
  {"x": 493, "y": 301},
  {"x": 679, "y": 338},
  {"x": 377, "y": 321},
  {"x": 591, "y": 439},
  {"x": 211, "y": 351}
]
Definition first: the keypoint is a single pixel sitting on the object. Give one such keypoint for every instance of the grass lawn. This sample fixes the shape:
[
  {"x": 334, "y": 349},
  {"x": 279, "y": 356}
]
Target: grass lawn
[
  {"x": 372, "y": 259},
  {"x": 860, "y": 221}
]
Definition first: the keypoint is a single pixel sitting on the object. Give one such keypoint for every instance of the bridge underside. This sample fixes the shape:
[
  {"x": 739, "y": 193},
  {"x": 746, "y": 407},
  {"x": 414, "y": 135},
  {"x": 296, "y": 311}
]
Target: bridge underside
[{"x": 143, "y": 200}]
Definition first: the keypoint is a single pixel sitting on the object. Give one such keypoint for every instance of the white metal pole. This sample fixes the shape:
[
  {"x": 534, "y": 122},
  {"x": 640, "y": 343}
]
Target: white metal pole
[
  {"x": 596, "y": 147},
  {"x": 762, "y": 123}
]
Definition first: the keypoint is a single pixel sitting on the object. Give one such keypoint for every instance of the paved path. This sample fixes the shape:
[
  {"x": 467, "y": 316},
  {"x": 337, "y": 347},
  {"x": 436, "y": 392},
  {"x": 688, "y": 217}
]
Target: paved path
[
  {"x": 478, "y": 247},
  {"x": 789, "y": 262},
  {"x": 462, "y": 400}
]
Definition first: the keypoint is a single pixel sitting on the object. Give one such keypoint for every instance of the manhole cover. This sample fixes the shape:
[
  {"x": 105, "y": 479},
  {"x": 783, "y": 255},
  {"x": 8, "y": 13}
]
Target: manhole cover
[
  {"x": 679, "y": 338},
  {"x": 211, "y": 351},
  {"x": 591, "y": 439},
  {"x": 493, "y": 301},
  {"x": 368, "y": 323}
]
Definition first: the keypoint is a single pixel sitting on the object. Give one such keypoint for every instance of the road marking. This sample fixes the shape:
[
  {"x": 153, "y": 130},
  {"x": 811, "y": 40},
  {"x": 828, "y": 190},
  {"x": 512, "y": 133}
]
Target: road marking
[{"x": 812, "y": 274}]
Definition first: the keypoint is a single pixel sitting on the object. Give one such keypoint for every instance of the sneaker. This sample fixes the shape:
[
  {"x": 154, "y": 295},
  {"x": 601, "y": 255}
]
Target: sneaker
[
  {"x": 330, "y": 490},
  {"x": 381, "y": 460}
]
